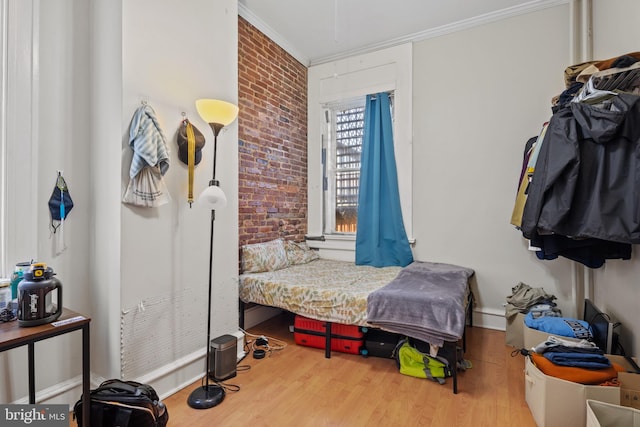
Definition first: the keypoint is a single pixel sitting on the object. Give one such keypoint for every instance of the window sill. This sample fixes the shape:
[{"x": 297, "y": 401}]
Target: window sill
[{"x": 342, "y": 242}]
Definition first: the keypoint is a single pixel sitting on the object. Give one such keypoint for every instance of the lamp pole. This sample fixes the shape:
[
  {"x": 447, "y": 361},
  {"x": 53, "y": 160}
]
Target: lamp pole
[{"x": 217, "y": 114}]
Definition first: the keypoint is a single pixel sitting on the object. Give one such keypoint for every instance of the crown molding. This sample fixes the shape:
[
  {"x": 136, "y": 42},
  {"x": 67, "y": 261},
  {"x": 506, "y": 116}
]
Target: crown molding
[
  {"x": 509, "y": 12},
  {"x": 272, "y": 34}
]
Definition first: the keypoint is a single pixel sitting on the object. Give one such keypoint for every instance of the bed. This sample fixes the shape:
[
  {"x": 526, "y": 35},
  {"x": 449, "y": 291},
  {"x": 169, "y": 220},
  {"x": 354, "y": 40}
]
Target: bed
[
  {"x": 322, "y": 289},
  {"x": 427, "y": 301}
]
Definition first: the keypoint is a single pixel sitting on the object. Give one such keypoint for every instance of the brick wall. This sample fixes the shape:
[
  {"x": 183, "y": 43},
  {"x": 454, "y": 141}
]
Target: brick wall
[{"x": 272, "y": 126}]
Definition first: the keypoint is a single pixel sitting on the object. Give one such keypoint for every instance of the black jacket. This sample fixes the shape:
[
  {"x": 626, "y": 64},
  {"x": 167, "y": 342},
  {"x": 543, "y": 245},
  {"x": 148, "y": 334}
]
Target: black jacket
[{"x": 586, "y": 182}]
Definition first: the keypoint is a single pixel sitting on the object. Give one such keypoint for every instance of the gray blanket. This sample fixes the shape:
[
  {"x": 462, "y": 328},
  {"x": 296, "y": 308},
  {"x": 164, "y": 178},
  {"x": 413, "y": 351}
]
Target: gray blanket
[{"x": 426, "y": 301}]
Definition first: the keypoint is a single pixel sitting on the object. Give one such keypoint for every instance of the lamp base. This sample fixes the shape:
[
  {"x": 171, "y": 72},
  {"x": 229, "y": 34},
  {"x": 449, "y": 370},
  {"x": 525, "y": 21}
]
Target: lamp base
[{"x": 206, "y": 396}]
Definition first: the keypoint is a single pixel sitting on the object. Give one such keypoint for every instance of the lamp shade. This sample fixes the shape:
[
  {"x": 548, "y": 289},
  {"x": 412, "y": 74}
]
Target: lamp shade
[
  {"x": 213, "y": 198},
  {"x": 217, "y": 111}
]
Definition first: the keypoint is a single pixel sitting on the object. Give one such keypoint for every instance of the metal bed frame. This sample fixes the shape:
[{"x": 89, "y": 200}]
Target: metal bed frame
[{"x": 449, "y": 350}]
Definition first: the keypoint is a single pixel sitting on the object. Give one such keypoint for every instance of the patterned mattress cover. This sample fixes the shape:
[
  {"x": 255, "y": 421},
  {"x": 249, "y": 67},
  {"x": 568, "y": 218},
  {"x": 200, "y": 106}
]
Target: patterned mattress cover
[{"x": 327, "y": 290}]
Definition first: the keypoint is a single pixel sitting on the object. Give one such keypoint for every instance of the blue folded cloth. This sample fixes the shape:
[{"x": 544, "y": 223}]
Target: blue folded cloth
[
  {"x": 561, "y": 326},
  {"x": 579, "y": 360}
]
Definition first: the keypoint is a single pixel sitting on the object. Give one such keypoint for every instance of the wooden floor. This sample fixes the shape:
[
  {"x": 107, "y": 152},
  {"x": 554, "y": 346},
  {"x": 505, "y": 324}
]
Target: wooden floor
[{"x": 298, "y": 386}]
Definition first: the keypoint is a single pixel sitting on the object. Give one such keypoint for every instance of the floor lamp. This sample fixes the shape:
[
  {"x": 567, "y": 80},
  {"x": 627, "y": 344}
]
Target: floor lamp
[{"x": 218, "y": 114}]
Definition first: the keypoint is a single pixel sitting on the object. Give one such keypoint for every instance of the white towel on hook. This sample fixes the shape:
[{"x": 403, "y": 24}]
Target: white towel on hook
[
  {"x": 149, "y": 163},
  {"x": 147, "y": 141}
]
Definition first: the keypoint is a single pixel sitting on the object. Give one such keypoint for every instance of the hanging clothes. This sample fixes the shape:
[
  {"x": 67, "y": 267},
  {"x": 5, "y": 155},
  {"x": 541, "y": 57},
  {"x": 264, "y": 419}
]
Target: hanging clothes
[
  {"x": 150, "y": 161},
  {"x": 532, "y": 149},
  {"x": 147, "y": 142},
  {"x": 587, "y": 178},
  {"x": 582, "y": 196},
  {"x": 381, "y": 239},
  {"x": 590, "y": 252}
]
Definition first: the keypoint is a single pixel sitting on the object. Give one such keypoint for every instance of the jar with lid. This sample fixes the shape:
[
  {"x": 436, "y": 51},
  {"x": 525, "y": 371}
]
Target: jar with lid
[{"x": 17, "y": 277}]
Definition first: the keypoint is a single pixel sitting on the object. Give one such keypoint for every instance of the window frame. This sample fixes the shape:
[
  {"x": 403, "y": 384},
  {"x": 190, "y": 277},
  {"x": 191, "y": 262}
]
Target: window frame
[
  {"x": 18, "y": 132},
  {"x": 331, "y": 169},
  {"x": 384, "y": 70},
  {"x": 4, "y": 20}
]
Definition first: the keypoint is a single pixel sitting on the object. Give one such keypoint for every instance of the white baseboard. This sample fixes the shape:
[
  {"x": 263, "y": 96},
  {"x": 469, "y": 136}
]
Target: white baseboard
[
  {"x": 489, "y": 318},
  {"x": 176, "y": 381},
  {"x": 68, "y": 392},
  {"x": 166, "y": 380}
]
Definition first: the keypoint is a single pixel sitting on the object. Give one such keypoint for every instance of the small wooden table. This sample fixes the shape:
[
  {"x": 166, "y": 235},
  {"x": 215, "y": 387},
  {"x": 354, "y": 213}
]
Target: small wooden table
[{"x": 12, "y": 336}]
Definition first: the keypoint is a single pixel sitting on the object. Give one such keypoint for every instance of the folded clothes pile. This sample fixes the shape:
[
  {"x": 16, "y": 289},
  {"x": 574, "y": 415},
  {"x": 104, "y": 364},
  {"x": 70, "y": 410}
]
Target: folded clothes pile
[
  {"x": 525, "y": 299},
  {"x": 582, "y": 354},
  {"x": 577, "y": 361},
  {"x": 589, "y": 376}
]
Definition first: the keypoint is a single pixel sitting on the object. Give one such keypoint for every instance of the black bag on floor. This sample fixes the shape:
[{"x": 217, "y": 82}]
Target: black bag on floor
[{"x": 124, "y": 403}]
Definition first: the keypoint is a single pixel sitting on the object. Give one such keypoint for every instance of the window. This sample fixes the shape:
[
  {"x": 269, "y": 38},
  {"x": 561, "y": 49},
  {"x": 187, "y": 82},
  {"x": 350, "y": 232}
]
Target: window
[
  {"x": 342, "y": 176},
  {"x": 341, "y": 85},
  {"x": 4, "y": 272},
  {"x": 345, "y": 127},
  {"x": 18, "y": 208}
]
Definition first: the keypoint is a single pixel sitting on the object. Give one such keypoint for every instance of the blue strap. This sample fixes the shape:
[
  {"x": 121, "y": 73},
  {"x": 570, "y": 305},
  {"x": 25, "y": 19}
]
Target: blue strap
[{"x": 62, "y": 204}]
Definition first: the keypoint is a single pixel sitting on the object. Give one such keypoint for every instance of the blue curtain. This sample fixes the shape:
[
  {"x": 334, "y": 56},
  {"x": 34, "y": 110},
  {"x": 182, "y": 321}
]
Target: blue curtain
[{"x": 381, "y": 239}]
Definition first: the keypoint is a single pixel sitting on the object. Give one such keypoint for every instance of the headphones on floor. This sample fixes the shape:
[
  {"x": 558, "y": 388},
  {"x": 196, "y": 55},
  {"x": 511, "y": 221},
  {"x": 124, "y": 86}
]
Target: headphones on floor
[
  {"x": 260, "y": 348},
  {"x": 262, "y": 345}
]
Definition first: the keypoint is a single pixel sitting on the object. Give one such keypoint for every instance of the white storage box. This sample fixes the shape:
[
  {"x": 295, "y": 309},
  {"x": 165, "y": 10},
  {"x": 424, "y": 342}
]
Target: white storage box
[
  {"x": 558, "y": 403},
  {"x": 601, "y": 414},
  {"x": 514, "y": 335}
]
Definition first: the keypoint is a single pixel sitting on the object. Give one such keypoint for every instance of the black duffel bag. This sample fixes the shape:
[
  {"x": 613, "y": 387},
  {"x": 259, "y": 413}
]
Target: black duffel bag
[{"x": 124, "y": 403}]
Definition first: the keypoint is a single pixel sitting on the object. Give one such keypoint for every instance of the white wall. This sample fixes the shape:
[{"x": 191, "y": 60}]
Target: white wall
[
  {"x": 49, "y": 132},
  {"x": 164, "y": 252},
  {"x": 93, "y": 63},
  {"x": 479, "y": 95},
  {"x": 105, "y": 229},
  {"x": 616, "y": 32}
]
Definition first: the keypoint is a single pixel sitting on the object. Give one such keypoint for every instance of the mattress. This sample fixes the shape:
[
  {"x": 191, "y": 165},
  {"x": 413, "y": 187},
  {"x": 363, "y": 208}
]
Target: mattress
[{"x": 328, "y": 290}]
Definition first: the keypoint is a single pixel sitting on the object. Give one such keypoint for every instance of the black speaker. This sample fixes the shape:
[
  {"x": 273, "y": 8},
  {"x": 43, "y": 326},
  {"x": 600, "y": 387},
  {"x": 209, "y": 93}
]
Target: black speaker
[{"x": 223, "y": 357}]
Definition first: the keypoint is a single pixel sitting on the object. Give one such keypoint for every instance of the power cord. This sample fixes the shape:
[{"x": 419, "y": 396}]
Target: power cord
[
  {"x": 262, "y": 345},
  {"x": 229, "y": 388}
]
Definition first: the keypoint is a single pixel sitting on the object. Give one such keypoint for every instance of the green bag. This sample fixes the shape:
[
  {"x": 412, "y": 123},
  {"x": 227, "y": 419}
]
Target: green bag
[{"x": 415, "y": 363}]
